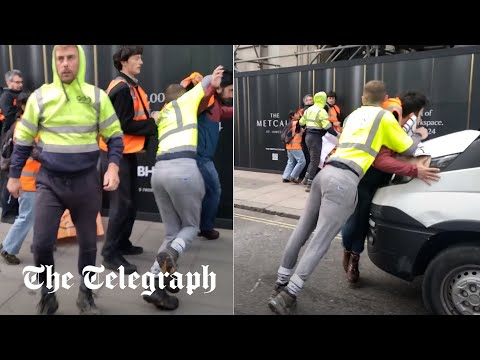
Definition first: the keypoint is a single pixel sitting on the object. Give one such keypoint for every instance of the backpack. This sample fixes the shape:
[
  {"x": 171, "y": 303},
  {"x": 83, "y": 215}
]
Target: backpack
[
  {"x": 286, "y": 136},
  {"x": 7, "y": 149}
]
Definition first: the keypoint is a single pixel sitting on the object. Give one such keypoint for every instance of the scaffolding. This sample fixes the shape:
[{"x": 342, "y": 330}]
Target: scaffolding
[{"x": 333, "y": 53}]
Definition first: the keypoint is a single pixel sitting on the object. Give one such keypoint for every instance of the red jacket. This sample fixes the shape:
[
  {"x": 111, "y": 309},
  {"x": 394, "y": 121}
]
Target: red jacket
[{"x": 387, "y": 163}]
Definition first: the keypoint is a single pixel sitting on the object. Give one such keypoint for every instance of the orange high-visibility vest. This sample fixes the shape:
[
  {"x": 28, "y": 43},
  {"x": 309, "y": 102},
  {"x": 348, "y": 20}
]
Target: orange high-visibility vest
[
  {"x": 194, "y": 78},
  {"x": 131, "y": 143},
  {"x": 333, "y": 113},
  {"x": 29, "y": 174},
  {"x": 296, "y": 143},
  {"x": 29, "y": 171},
  {"x": 394, "y": 105}
]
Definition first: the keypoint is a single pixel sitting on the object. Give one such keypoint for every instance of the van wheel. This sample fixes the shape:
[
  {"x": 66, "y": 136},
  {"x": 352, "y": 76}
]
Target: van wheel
[{"x": 451, "y": 285}]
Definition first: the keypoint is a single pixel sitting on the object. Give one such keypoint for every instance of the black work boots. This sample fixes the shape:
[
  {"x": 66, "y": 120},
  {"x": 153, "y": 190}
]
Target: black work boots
[{"x": 85, "y": 302}]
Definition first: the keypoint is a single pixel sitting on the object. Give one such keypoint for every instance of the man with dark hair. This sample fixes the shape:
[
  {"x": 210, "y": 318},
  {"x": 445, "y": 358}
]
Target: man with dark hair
[
  {"x": 133, "y": 110},
  {"x": 355, "y": 229},
  {"x": 209, "y": 119},
  {"x": 333, "y": 110},
  {"x": 334, "y": 191}
]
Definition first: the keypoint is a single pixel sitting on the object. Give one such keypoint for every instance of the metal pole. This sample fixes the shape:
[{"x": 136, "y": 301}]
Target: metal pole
[
  {"x": 336, "y": 56},
  {"x": 316, "y": 56},
  {"x": 302, "y": 53},
  {"x": 331, "y": 55},
  {"x": 355, "y": 53}
]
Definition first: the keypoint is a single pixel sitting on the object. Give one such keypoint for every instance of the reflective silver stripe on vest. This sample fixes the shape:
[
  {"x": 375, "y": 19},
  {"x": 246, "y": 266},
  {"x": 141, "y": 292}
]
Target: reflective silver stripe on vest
[
  {"x": 139, "y": 113},
  {"x": 109, "y": 121},
  {"x": 367, "y": 147},
  {"x": 316, "y": 122},
  {"x": 361, "y": 147},
  {"x": 394, "y": 107},
  {"x": 177, "y": 130},
  {"x": 71, "y": 129},
  {"x": 178, "y": 113},
  {"x": 28, "y": 124},
  {"x": 29, "y": 173},
  {"x": 178, "y": 149},
  {"x": 67, "y": 149},
  {"x": 115, "y": 135},
  {"x": 96, "y": 106},
  {"x": 24, "y": 142},
  {"x": 41, "y": 106}
]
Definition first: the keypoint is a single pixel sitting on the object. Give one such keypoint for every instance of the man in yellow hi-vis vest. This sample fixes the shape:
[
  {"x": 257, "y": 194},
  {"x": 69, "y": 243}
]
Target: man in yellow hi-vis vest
[
  {"x": 333, "y": 195},
  {"x": 68, "y": 115},
  {"x": 177, "y": 183}
]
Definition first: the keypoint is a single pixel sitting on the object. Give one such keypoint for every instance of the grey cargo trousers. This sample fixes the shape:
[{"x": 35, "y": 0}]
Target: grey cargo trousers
[{"x": 333, "y": 198}]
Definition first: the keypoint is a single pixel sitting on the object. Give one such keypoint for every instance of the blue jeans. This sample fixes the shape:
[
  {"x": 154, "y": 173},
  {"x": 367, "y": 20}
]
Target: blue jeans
[
  {"x": 295, "y": 164},
  {"x": 22, "y": 225},
  {"x": 355, "y": 229},
  {"x": 213, "y": 191}
]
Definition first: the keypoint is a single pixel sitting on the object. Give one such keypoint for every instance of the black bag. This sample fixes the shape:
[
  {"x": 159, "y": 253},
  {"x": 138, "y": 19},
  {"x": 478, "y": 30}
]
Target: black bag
[
  {"x": 7, "y": 149},
  {"x": 286, "y": 136}
]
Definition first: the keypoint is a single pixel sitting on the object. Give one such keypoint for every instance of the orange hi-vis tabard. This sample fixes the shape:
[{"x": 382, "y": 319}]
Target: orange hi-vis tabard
[
  {"x": 194, "y": 78},
  {"x": 333, "y": 113},
  {"x": 141, "y": 107},
  {"x": 394, "y": 105}
]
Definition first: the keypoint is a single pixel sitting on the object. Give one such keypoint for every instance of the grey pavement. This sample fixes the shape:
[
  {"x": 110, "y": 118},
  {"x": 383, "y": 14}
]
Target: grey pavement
[
  {"x": 259, "y": 243},
  {"x": 265, "y": 192},
  {"x": 16, "y": 298}
]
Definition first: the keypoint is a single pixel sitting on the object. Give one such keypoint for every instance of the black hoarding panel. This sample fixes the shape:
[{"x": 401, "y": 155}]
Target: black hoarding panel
[
  {"x": 324, "y": 80},
  {"x": 349, "y": 88},
  {"x": 4, "y": 63},
  {"x": 106, "y": 70},
  {"x": 224, "y": 166},
  {"x": 89, "y": 71},
  {"x": 401, "y": 76},
  {"x": 475, "y": 95},
  {"x": 29, "y": 60},
  {"x": 306, "y": 85},
  {"x": 242, "y": 139},
  {"x": 266, "y": 122},
  {"x": 448, "y": 111},
  {"x": 373, "y": 72}
]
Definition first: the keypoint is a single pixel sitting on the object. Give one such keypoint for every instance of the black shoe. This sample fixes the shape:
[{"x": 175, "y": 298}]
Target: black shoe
[
  {"x": 276, "y": 290},
  {"x": 85, "y": 302},
  {"x": 284, "y": 303},
  {"x": 167, "y": 260},
  {"x": 171, "y": 278},
  {"x": 9, "y": 258},
  {"x": 209, "y": 234},
  {"x": 48, "y": 304},
  {"x": 285, "y": 181},
  {"x": 8, "y": 219},
  {"x": 132, "y": 250},
  {"x": 162, "y": 300},
  {"x": 117, "y": 261}
]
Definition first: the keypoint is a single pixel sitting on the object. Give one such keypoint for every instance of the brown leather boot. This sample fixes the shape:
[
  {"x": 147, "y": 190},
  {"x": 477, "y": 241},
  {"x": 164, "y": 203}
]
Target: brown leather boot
[
  {"x": 346, "y": 259},
  {"x": 353, "y": 273}
]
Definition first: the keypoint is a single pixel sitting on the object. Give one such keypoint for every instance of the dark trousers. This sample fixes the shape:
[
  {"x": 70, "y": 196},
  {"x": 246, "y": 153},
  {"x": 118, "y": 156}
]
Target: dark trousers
[
  {"x": 81, "y": 194},
  {"x": 307, "y": 156},
  {"x": 355, "y": 229},
  {"x": 123, "y": 206},
  {"x": 314, "y": 143},
  {"x": 213, "y": 191}
]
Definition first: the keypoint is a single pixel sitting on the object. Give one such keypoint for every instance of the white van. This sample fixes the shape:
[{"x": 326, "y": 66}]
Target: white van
[{"x": 417, "y": 229}]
